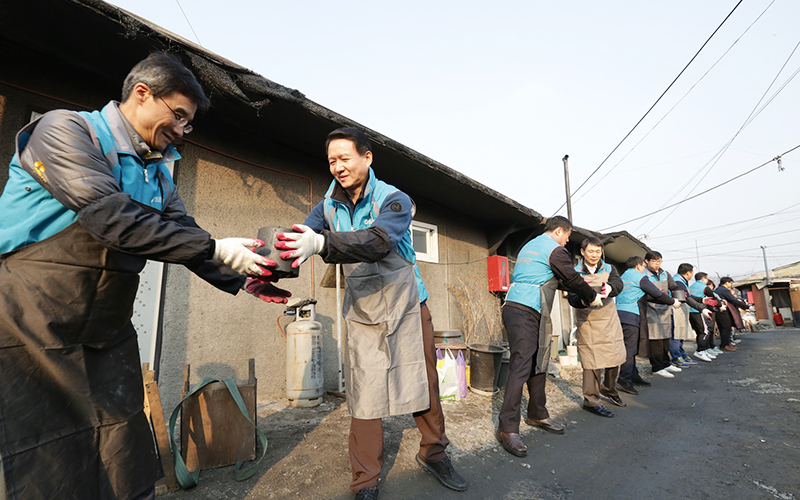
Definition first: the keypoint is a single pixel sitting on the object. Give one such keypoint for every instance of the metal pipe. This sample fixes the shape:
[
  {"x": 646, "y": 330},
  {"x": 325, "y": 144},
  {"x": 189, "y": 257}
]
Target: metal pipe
[{"x": 339, "y": 325}]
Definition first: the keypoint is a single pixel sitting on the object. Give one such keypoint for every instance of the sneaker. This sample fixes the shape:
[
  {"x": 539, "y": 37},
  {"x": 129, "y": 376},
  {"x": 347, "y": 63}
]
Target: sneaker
[
  {"x": 664, "y": 373},
  {"x": 736, "y": 341},
  {"x": 687, "y": 359},
  {"x": 679, "y": 363},
  {"x": 702, "y": 356},
  {"x": 711, "y": 354},
  {"x": 716, "y": 350},
  {"x": 673, "y": 369}
]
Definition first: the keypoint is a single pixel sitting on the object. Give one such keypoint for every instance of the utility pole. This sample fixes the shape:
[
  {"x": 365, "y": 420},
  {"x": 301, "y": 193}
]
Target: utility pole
[
  {"x": 697, "y": 252},
  {"x": 566, "y": 182},
  {"x": 767, "y": 297}
]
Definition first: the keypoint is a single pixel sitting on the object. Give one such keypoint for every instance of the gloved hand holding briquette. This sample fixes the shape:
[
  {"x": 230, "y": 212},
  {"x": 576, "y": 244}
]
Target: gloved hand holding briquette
[
  {"x": 239, "y": 255},
  {"x": 300, "y": 245}
]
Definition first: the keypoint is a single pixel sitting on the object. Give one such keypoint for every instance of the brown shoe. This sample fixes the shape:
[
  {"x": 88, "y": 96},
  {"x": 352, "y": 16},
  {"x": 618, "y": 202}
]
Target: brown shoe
[
  {"x": 546, "y": 424},
  {"x": 728, "y": 348},
  {"x": 512, "y": 443}
]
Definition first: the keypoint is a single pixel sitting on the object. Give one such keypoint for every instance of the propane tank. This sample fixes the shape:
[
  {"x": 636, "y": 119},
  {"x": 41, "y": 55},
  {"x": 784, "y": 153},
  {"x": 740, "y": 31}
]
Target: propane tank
[{"x": 304, "y": 377}]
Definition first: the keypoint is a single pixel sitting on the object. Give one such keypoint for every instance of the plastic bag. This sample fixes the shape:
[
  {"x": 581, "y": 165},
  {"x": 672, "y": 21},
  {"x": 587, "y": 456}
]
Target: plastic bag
[
  {"x": 461, "y": 363},
  {"x": 447, "y": 369}
]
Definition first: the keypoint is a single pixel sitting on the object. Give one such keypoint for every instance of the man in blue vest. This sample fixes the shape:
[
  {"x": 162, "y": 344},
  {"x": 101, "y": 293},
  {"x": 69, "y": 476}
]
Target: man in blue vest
[
  {"x": 696, "y": 305},
  {"x": 657, "y": 320},
  {"x": 542, "y": 265},
  {"x": 88, "y": 201},
  {"x": 631, "y": 308},
  {"x": 389, "y": 354},
  {"x": 600, "y": 338},
  {"x": 725, "y": 318},
  {"x": 705, "y": 335}
]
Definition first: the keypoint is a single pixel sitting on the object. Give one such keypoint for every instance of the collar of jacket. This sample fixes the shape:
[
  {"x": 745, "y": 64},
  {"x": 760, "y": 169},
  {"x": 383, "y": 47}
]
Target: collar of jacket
[
  {"x": 124, "y": 138},
  {"x": 656, "y": 274},
  {"x": 582, "y": 268},
  {"x": 337, "y": 193}
]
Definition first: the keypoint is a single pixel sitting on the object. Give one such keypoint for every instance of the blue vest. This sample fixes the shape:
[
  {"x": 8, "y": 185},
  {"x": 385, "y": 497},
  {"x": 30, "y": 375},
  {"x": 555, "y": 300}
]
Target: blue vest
[
  {"x": 31, "y": 213},
  {"x": 531, "y": 271},
  {"x": 366, "y": 211},
  {"x": 697, "y": 289},
  {"x": 661, "y": 276},
  {"x": 628, "y": 299},
  {"x": 602, "y": 268}
]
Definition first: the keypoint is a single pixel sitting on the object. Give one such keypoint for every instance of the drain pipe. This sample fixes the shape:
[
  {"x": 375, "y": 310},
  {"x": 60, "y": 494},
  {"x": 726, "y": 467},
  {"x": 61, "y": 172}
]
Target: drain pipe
[{"x": 339, "y": 325}]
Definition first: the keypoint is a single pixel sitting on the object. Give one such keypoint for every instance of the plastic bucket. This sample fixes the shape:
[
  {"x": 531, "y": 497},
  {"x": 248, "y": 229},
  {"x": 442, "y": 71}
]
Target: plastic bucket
[
  {"x": 485, "y": 361},
  {"x": 269, "y": 235},
  {"x": 502, "y": 378}
]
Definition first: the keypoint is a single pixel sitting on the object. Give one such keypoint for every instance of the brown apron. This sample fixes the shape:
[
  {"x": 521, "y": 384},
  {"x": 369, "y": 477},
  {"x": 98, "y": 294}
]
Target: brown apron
[
  {"x": 600, "y": 340},
  {"x": 384, "y": 358},
  {"x": 71, "y": 398},
  {"x": 659, "y": 316}
]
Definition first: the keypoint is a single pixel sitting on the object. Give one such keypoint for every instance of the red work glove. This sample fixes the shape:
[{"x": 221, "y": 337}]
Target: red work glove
[
  {"x": 263, "y": 288},
  {"x": 300, "y": 245},
  {"x": 605, "y": 291}
]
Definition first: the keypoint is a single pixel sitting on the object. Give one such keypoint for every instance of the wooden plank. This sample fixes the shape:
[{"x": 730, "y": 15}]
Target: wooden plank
[
  {"x": 162, "y": 437},
  {"x": 214, "y": 433}
]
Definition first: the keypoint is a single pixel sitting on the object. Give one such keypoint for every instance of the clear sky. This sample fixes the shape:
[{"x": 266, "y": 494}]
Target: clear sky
[{"x": 502, "y": 91}]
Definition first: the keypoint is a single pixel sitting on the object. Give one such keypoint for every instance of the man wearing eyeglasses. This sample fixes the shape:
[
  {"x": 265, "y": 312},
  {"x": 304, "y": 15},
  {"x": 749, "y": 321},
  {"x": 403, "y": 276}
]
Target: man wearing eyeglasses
[{"x": 88, "y": 201}]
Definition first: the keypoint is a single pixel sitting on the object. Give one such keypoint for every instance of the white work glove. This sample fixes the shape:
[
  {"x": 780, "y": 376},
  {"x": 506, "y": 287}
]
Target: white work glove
[
  {"x": 676, "y": 304},
  {"x": 606, "y": 290},
  {"x": 706, "y": 314},
  {"x": 597, "y": 302},
  {"x": 237, "y": 254},
  {"x": 723, "y": 307},
  {"x": 300, "y": 245}
]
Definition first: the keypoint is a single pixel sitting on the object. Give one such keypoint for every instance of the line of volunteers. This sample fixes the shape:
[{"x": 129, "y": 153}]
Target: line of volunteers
[{"x": 644, "y": 311}]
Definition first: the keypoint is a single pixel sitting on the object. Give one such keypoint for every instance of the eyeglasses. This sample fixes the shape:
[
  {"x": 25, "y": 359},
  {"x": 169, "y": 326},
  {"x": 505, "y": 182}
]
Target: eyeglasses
[{"x": 182, "y": 122}]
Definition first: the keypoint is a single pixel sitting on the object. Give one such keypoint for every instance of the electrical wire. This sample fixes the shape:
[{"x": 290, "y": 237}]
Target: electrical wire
[
  {"x": 654, "y": 104},
  {"x": 684, "y": 233},
  {"x": 675, "y": 106},
  {"x": 708, "y": 167},
  {"x": 703, "y": 192},
  {"x": 189, "y": 23}
]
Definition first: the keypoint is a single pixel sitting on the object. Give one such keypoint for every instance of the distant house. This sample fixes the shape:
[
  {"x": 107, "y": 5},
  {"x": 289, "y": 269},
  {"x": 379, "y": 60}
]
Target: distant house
[
  {"x": 255, "y": 159},
  {"x": 780, "y": 297}
]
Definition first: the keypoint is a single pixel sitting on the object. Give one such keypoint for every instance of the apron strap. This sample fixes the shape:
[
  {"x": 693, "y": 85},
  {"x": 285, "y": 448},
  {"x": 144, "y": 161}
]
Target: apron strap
[{"x": 189, "y": 479}]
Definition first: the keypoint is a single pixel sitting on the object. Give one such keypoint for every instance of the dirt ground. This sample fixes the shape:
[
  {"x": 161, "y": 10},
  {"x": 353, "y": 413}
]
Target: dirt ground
[{"x": 729, "y": 428}]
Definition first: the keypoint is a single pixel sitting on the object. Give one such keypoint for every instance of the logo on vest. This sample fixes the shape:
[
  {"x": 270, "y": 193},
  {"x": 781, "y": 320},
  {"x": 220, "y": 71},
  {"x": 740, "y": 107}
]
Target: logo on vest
[
  {"x": 38, "y": 167},
  {"x": 396, "y": 207},
  {"x": 155, "y": 200}
]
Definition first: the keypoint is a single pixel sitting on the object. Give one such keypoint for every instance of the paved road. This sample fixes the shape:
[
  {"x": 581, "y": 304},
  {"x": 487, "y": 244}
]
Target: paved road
[{"x": 729, "y": 429}]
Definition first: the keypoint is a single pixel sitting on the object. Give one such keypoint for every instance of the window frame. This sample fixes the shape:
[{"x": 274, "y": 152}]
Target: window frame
[{"x": 432, "y": 240}]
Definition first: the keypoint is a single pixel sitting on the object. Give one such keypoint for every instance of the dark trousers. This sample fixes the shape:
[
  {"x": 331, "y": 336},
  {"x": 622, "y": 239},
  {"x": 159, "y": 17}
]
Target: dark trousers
[
  {"x": 628, "y": 372},
  {"x": 366, "y": 436},
  {"x": 659, "y": 354},
  {"x": 522, "y": 326},
  {"x": 724, "y": 323},
  {"x": 592, "y": 385},
  {"x": 699, "y": 327}
]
